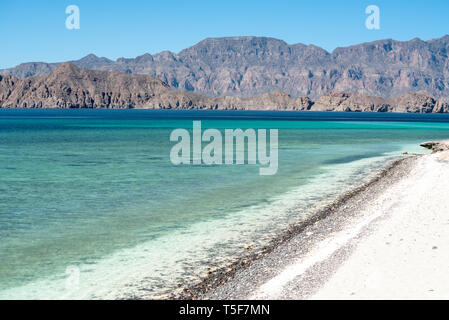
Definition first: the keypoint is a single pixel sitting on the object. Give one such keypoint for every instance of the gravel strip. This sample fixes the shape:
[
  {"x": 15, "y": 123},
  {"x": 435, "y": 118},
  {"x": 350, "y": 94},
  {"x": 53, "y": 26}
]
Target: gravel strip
[{"x": 242, "y": 278}]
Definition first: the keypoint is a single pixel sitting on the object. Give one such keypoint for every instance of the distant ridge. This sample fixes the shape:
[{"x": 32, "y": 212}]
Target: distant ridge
[
  {"x": 249, "y": 66},
  {"x": 68, "y": 86}
]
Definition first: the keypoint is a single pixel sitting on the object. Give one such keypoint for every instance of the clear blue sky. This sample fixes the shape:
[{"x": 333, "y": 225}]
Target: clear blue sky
[{"x": 35, "y": 30}]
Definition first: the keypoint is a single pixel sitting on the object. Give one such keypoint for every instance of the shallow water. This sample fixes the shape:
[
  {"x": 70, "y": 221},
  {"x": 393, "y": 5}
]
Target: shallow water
[{"x": 95, "y": 190}]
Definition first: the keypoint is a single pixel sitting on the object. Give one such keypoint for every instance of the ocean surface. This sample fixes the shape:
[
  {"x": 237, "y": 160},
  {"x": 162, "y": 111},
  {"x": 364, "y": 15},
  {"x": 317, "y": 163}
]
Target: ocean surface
[{"x": 91, "y": 206}]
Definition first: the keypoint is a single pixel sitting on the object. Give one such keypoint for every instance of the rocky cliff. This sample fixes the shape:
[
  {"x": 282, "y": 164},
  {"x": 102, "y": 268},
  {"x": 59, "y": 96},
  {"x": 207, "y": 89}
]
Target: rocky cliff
[
  {"x": 71, "y": 87},
  {"x": 412, "y": 102}
]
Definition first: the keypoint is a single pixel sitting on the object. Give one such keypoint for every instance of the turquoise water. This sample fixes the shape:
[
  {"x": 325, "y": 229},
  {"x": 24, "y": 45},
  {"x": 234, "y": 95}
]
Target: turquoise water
[{"x": 96, "y": 191}]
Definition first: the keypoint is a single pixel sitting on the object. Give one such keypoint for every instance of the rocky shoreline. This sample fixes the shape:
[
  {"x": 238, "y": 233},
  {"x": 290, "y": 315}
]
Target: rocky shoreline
[
  {"x": 240, "y": 279},
  {"x": 436, "y": 146}
]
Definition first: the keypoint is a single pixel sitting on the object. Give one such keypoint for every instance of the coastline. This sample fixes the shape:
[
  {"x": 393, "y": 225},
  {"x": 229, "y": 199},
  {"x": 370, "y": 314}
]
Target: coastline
[
  {"x": 243, "y": 278},
  {"x": 379, "y": 241},
  {"x": 403, "y": 254}
]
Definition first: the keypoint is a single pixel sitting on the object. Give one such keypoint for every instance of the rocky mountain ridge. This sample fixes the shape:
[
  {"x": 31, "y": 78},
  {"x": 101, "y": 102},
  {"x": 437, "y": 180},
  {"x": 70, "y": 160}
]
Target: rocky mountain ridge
[
  {"x": 249, "y": 66},
  {"x": 68, "y": 86}
]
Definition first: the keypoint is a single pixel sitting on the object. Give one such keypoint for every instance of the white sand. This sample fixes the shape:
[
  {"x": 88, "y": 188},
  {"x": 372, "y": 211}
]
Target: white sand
[
  {"x": 407, "y": 254},
  {"x": 401, "y": 244}
]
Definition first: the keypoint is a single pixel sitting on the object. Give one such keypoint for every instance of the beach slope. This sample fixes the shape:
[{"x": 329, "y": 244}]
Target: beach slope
[
  {"x": 404, "y": 255},
  {"x": 389, "y": 241}
]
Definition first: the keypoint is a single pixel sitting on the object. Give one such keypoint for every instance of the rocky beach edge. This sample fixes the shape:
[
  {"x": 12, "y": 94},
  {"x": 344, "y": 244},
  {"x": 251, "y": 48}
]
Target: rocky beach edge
[{"x": 348, "y": 250}]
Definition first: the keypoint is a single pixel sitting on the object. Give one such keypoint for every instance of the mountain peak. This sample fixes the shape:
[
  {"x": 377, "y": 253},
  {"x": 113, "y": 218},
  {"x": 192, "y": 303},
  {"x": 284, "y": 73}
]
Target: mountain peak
[
  {"x": 91, "y": 56},
  {"x": 240, "y": 38},
  {"x": 66, "y": 67},
  {"x": 91, "y": 61},
  {"x": 237, "y": 40}
]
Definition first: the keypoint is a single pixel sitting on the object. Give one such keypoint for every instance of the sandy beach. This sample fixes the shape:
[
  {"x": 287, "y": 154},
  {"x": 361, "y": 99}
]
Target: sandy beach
[
  {"x": 405, "y": 254},
  {"x": 388, "y": 240}
]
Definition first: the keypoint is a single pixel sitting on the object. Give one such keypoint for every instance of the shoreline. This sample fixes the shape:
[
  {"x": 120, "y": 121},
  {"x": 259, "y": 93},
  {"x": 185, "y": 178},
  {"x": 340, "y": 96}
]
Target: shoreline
[
  {"x": 402, "y": 254},
  {"x": 384, "y": 240},
  {"x": 255, "y": 110},
  {"x": 238, "y": 279}
]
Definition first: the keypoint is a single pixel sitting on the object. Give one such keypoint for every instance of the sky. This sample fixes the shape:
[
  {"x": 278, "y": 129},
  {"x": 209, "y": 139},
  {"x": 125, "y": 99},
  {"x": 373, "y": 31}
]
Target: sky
[{"x": 36, "y": 30}]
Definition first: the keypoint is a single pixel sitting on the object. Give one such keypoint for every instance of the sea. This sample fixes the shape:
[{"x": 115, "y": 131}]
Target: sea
[{"x": 92, "y": 207}]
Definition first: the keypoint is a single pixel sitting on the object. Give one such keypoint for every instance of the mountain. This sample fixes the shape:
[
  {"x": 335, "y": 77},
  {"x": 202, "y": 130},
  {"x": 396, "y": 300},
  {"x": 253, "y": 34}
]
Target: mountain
[
  {"x": 411, "y": 102},
  {"x": 68, "y": 86},
  {"x": 248, "y": 66}
]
